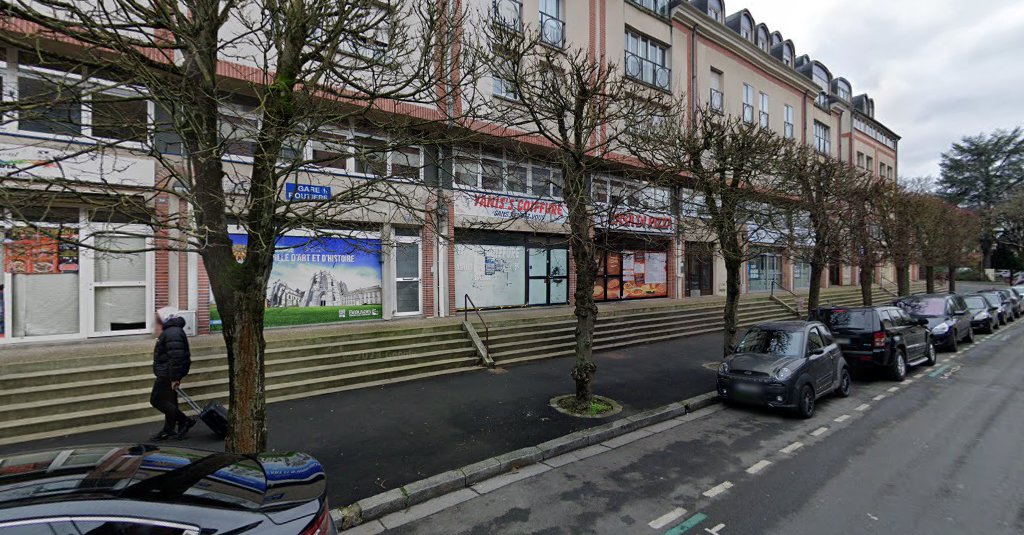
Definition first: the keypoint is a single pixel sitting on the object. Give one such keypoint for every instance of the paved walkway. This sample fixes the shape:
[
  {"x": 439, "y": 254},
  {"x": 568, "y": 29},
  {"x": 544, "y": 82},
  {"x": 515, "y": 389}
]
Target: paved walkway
[{"x": 376, "y": 439}]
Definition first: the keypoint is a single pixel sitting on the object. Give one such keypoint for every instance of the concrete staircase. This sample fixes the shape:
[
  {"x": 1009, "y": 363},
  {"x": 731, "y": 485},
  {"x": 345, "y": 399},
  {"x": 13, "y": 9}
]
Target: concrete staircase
[
  {"x": 57, "y": 397},
  {"x": 849, "y": 296},
  {"x": 528, "y": 339}
]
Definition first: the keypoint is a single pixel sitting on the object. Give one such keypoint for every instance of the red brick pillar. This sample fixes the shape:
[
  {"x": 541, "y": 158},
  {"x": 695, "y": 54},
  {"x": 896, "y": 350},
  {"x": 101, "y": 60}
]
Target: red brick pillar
[
  {"x": 203, "y": 287},
  {"x": 671, "y": 269},
  {"x": 428, "y": 285},
  {"x": 451, "y": 258}
]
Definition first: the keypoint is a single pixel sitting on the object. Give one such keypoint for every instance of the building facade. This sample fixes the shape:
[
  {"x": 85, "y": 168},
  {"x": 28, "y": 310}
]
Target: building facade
[{"x": 499, "y": 238}]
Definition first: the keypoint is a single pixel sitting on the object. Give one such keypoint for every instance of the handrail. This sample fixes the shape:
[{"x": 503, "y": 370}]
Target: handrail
[
  {"x": 779, "y": 284},
  {"x": 794, "y": 310},
  {"x": 487, "y": 331},
  {"x": 887, "y": 290}
]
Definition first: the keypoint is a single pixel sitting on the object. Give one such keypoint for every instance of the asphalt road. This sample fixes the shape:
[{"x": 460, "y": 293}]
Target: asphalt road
[
  {"x": 940, "y": 453},
  {"x": 375, "y": 439}
]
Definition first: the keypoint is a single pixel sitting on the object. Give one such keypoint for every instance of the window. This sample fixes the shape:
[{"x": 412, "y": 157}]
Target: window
[
  {"x": 330, "y": 150},
  {"x": 466, "y": 168},
  {"x": 717, "y": 102},
  {"x": 822, "y": 138},
  {"x": 715, "y": 9},
  {"x": 788, "y": 115},
  {"x": 552, "y": 27},
  {"x": 860, "y": 159},
  {"x": 545, "y": 182},
  {"x": 406, "y": 162},
  {"x": 763, "y": 116},
  {"x": 503, "y": 85},
  {"x": 881, "y": 169},
  {"x": 165, "y": 136},
  {"x": 238, "y": 134},
  {"x": 491, "y": 172},
  {"x": 49, "y": 107},
  {"x": 748, "y": 103},
  {"x": 746, "y": 28},
  {"x": 647, "y": 61},
  {"x": 888, "y": 173},
  {"x": 122, "y": 118},
  {"x": 509, "y": 14},
  {"x": 843, "y": 90},
  {"x": 658, "y": 6},
  {"x": 870, "y": 165},
  {"x": 814, "y": 340},
  {"x": 762, "y": 38},
  {"x": 787, "y": 55},
  {"x": 821, "y": 77},
  {"x": 371, "y": 156}
]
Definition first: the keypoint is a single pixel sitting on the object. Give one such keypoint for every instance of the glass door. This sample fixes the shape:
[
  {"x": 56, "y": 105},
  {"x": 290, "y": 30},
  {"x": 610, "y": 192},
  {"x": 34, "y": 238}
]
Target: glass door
[
  {"x": 408, "y": 259},
  {"x": 120, "y": 292},
  {"x": 699, "y": 269},
  {"x": 547, "y": 275}
]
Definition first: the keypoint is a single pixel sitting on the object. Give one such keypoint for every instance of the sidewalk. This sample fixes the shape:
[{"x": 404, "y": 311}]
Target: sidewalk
[{"x": 375, "y": 439}]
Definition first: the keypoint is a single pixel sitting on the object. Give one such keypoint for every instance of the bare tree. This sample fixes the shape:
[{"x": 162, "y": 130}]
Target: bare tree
[
  {"x": 578, "y": 111},
  {"x": 263, "y": 79},
  {"x": 899, "y": 211}
]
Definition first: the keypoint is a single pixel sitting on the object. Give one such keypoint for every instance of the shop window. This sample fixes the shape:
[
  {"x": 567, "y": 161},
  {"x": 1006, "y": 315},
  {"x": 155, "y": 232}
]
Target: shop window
[
  {"x": 503, "y": 270},
  {"x": 632, "y": 274},
  {"x": 43, "y": 264},
  {"x": 121, "y": 118},
  {"x": 48, "y": 107}
]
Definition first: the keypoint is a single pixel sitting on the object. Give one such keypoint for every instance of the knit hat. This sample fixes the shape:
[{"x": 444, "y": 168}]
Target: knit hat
[{"x": 166, "y": 313}]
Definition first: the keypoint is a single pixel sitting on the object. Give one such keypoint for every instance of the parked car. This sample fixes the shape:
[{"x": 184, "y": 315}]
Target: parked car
[
  {"x": 996, "y": 301},
  {"x": 785, "y": 364},
  {"x": 157, "y": 490},
  {"x": 984, "y": 314},
  {"x": 883, "y": 337},
  {"x": 1009, "y": 312},
  {"x": 947, "y": 317},
  {"x": 1018, "y": 303}
]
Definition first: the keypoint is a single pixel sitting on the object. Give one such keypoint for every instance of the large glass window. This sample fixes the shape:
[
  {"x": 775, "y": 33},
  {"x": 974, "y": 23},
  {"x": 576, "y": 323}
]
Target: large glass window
[
  {"x": 118, "y": 117},
  {"x": 647, "y": 60},
  {"x": 49, "y": 107},
  {"x": 746, "y": 28},
  {"x": 632, "y": 274},
  {"x": 788, "y": 127},
  {"x": 748, "y": 103},
  {"x": 822, "y": 138}
]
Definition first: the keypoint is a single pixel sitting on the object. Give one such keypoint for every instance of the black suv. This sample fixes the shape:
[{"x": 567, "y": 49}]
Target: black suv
[
  {"x": 879, "y": 337},
  {"x": 947, "y": 315}
]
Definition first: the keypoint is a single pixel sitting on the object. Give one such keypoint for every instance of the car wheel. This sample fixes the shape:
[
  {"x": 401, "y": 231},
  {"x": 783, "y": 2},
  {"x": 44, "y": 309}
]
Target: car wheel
[
  {"x": 898, "y": 370},
  {"x": 953, "y": 346},
  {"x": 930, "y": 354},
  {"x": 991, "y": 327},
  {"x": 806, "y": 406},
  {"x": 843, "y": 390},
  {"x": 970, "y": 335}
]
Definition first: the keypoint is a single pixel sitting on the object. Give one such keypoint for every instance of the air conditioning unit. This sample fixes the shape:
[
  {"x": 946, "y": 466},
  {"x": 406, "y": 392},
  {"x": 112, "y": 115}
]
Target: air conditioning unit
[{"x": 190, "y": 321}]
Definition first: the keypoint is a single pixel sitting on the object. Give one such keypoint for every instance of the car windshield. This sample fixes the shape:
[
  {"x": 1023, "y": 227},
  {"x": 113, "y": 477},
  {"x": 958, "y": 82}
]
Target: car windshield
[
  {"x": 773, "y": 341},
  {"x": 842, "y": 318},
  {"x": 931, "y": 307},
  {"x": 976, "y": 302},
  {"x": 993, "y": 299}
]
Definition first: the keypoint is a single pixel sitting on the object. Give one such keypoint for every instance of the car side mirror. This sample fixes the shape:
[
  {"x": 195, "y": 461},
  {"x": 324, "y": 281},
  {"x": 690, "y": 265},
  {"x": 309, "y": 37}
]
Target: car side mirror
[
  {"x": 922, "y": 322},
  {"x": 818, "y": 351}
]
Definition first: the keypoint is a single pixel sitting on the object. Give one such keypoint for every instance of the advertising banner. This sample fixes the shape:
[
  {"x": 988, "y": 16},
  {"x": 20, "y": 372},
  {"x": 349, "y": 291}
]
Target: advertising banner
[
  {"x": 41, "y": 162},
  {"x": 318, "y": 280},
  {"x": 633, "y": 275},
  {"x": 509, "y": 207},
  {"x": 36, "y": 251},
  {"x": 646, "y": 222}
]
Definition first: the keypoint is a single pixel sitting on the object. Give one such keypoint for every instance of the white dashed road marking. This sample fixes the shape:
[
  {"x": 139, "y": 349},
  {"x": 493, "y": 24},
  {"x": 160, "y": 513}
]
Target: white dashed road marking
[
  {"x": 718, "y": 489},
  {"x": 819, "y": 431},
  {"x": 715, "y": 530},
  {"x": 758, "y": 466},
  {"x": 894, "y": 389},
  {"x": 879, "y": 397},
  {"x": 792, "y": 447},
  {"x": 667, "y": 518},
  {"x": 863, "y": 407},
  {"x": 843, "y": 418}
]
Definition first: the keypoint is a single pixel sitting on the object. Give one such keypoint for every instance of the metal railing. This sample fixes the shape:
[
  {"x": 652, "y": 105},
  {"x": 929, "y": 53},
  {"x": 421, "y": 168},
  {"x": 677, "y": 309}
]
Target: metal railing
[
  {"x": 796, "y": 298},
  {"x": 717, "y": 101},
  {"x": 647, "y": 71},
  {"x": 887, "y": 290},
  {"x": 552, "y": 30},
  {"x": 764, "y": 119},
  {"x": 748, "y": 113},
  {"x": 509, "y": 13},
  {"x": 788, "y": 130},
  {"x": 487, "y": 330}
]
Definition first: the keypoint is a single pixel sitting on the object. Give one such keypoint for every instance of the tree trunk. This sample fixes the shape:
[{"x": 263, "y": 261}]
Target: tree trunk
[
  {"x": 929, "y": 277},
  {"x": 986, "y": 254},
  {"x": 732, "y": 302},
  {"x": 865, "y": 278},
  {"x": 584, "y": 255},
  {"x": 246, "y": 346},
  {"x": 814, "y": 294},
  {"x": 951, "y": 278},
  {"x": 903, "y": 279}
]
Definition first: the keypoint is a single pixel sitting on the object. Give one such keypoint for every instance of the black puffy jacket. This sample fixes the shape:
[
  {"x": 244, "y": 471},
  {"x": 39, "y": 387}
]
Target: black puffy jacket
[{"x": 171, "y": 358}]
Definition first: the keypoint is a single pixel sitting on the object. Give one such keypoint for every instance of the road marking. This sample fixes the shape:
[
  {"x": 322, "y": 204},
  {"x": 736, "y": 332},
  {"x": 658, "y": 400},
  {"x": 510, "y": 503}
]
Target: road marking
[
  {"x": 714, "y": 530},
  {"x": 879, "y": 397},
  {"x": 718, "y": 489},
  {"x": 819, "y": 431},
  {"x": 894, "y": 389},
  {"x": 939, "y": 371},
  {"x": 687, "y": 525},
  {"x": 863, "y": 407},
  {"x": 792, "y": 447},
  {"x": 758, "y": 466},
  {"x": 667, "y": 518},
  {"x": 909, "y": 381},
  {"x": 843, "y": 418}
]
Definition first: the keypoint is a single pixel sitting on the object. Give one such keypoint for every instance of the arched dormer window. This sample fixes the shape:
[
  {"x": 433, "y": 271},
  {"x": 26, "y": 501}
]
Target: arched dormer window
[
  {"x": 822, "y": 78},
  {"x": 843, "y": 90},
  {"x": 787, "y": 54},
  {"x": 776, "y": 39},
  {"x": 762, "y": 37},
  {"x": 747, "y": 28},
  {"x": 716, "y": 10}
]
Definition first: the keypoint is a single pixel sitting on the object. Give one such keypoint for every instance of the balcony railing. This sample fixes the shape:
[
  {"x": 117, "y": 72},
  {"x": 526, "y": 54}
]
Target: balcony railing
[
  {"x": 763, "y": 120},
  {"x": 648, "y": 71},
  {"x": 509, "y": 13},
  {"x": 823, "y": 146},
  {"x": 717, "y": 101},
  {"x": 822, "y": 100},
  {"x": 748, "y": 113},
  {"x": 552, "y": 30},
  {"x": 788, "y": 130}
]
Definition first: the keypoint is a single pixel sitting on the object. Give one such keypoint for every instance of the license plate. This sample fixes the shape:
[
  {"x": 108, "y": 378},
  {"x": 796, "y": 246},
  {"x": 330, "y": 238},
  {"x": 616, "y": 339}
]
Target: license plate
[
  {"x": 842, "y": 341},
  {"x": 748, "y": 388}
]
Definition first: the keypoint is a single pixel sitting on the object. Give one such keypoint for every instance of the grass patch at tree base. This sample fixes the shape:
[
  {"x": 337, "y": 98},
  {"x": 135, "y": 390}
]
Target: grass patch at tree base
[{"x": 597, "y": 407}]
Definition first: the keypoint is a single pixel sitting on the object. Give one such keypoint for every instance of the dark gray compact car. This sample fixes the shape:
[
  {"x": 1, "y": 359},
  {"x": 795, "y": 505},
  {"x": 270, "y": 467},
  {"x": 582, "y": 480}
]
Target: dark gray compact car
[
  {"x": 786, "y": 364},
  {"x": 156, "y": 490}
]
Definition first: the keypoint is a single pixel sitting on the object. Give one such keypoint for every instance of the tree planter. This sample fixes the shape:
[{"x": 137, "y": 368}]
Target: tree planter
[{"x": 600, "y": 407}]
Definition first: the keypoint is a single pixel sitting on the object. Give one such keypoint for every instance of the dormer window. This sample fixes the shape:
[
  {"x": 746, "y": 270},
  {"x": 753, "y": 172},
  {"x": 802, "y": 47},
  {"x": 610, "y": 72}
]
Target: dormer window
[
  {"x": 787, "y": 55},
  {"x": 776, "y": 38},
  {"x": 762, "y": 38},
  {"x": 715, "y": 9},
  {"x": 746, "y": 28},
  {"x": 843, "y": 90}
]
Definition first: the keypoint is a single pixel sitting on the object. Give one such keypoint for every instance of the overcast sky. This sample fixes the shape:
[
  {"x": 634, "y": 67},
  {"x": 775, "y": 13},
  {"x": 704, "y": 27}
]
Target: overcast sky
[{"x": 937, "y": 69}]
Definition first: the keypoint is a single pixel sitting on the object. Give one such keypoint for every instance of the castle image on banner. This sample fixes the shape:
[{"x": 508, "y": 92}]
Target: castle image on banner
[{"x": 324, "y": 291}]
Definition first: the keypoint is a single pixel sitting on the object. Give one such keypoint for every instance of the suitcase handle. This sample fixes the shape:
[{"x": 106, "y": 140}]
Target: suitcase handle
[{"x": 190, "y": 401}]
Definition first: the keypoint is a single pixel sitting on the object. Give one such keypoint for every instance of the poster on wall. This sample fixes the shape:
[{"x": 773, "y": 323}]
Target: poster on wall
[
  {"x": 31, "y": 251},
  {"x": 318, "y": 280},
  {"x": 492, "y": 275},
  {"x": 644, "y": 274}
]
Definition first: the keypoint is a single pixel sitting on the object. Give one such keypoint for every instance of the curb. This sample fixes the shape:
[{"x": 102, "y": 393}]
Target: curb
[{"x": 420, "y": 491}]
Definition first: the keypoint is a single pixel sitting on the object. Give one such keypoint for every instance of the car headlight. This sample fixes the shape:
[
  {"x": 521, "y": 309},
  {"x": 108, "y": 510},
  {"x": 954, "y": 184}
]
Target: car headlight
[
  {"x": 783, "y": 373},
  {"x": 940, "y": 329},
  {"x": 723, "y": 368},
  {"x": 981, "y": 316}
]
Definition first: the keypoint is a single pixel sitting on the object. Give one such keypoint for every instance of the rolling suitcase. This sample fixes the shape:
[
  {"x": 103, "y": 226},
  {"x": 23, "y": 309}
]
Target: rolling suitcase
[{"x": 214, "y": 415}]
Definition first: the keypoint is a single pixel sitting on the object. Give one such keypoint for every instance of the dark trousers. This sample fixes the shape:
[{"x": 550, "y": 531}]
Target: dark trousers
[{"x": 165, "y": 399}]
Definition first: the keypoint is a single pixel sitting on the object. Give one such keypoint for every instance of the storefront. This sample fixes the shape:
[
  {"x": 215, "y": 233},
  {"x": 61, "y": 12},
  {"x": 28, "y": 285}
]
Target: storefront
[
  {"x": 801, "y": 275},
  {"x": 764, "y": 269},
  {"x": 700, "y": 269},
  {"x": 635, "y": 250},
  {"x": 505, "y": 269}
]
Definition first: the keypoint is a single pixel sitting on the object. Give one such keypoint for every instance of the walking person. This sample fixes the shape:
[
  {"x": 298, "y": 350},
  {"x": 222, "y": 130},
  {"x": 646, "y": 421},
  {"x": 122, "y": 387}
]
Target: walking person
[{"x": 171, "y": 362}]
